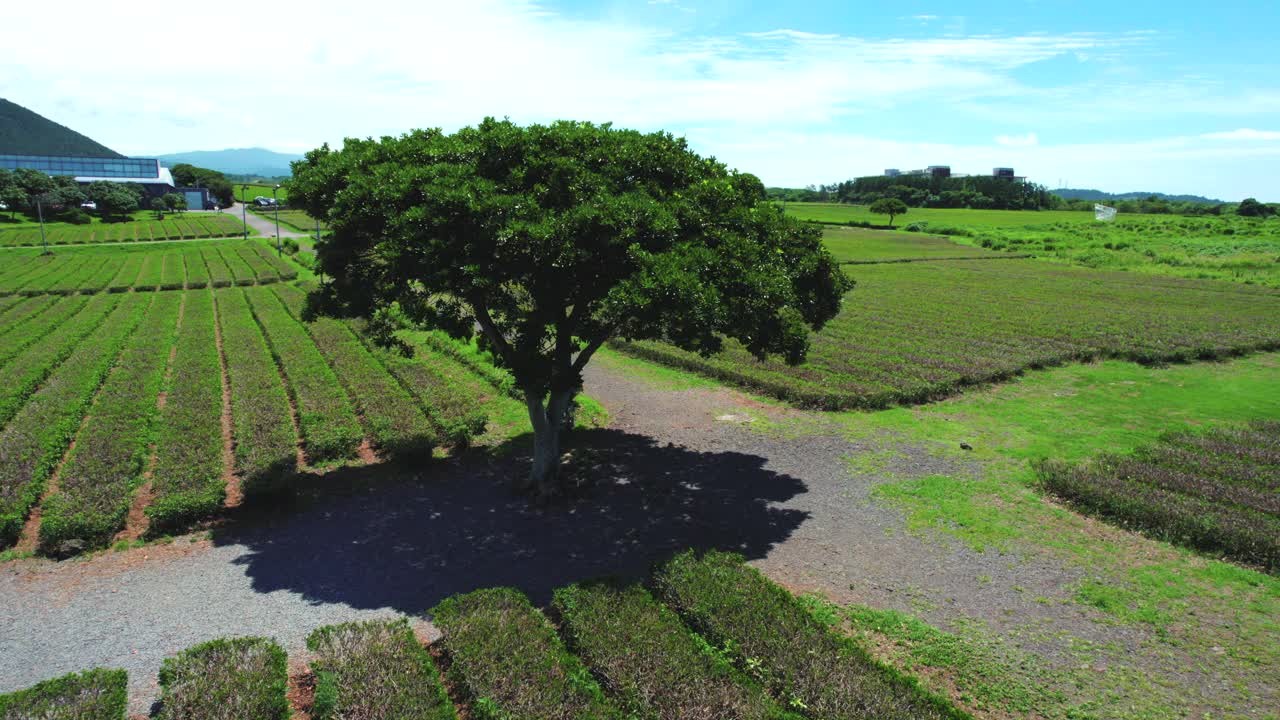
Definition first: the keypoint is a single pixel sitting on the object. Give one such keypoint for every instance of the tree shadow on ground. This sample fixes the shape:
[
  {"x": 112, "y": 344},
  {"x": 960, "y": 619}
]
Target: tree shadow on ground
[{"x": 386, "y": 537}]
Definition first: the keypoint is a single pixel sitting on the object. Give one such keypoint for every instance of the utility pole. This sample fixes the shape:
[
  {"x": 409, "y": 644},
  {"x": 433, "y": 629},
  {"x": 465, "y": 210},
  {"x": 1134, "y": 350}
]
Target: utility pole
[
  {"x": 40, "y": 211},
  {"x": 276, "y": 204},
  {"x": 244, "y": 214}
]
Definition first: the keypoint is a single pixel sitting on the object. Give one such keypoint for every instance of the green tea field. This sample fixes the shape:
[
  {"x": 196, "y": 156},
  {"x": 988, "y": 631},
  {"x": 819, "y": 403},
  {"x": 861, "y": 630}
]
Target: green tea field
[
  {"x": 85, "y": 369},
  {"x": 1229, "y": 248},
  {"x": 172, "y": 227},
  {"x": 163, "y": 266},
  {"x": 913, "y": 332}
]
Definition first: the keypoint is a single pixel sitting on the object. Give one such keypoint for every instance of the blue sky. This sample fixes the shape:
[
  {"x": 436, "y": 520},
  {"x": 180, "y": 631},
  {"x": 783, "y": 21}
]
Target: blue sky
[{"x": 1114, "y": 95}]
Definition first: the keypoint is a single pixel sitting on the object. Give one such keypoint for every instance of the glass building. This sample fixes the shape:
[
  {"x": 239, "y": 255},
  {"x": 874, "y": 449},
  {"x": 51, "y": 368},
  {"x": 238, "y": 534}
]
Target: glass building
[{"x": 146, "y": 171}]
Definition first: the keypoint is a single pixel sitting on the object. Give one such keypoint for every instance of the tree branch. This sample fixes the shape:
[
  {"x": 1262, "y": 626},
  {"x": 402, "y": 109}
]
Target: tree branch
[
  {"x": 491, "y": 331},
  {"x": 585, "y": 356}
]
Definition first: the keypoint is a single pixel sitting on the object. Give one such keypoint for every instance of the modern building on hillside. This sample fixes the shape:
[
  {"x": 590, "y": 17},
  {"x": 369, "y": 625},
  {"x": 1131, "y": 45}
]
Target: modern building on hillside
[{"x": 146, "y": 172}]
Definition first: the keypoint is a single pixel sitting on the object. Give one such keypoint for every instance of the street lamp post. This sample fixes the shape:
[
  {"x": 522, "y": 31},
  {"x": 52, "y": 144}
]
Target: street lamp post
[
  {"x": 40, "y": 211},
  {"x": 244, "y": 213},
  {"x": 276, "y": 203}
]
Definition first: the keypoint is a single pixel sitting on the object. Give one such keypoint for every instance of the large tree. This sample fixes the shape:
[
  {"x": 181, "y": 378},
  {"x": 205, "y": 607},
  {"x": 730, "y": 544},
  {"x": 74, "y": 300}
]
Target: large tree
[
  {"x": 114, "y": 201},
  {"x": 550, "y": 240}
]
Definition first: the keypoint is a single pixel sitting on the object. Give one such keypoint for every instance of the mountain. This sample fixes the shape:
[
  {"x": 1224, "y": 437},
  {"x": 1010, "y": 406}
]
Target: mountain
[
  {"x": 23, "y": 132},
  {"x": 241, "y": 161},
  {"x": 1098, "y": 195}
]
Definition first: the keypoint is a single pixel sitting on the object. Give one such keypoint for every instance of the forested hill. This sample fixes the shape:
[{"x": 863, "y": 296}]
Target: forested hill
[
  {"x": 1098, "y": 195},
  {"x": 23, "y": 132}
]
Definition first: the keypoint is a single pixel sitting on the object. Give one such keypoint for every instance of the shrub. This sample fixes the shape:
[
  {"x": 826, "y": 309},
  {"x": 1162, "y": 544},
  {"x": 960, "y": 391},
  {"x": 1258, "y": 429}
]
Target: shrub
[
  {"x": 225, "y": 679},
  {"x": 770, "y": 634},
  {"x": 76, "y": 216},
  {"x": 375, "y": 669},
  {"x": 512, "y": 663},
  {"x": 648, "y": 660},
  {"x": 92, "y": 695},
  {"x": 1215, "y": 492}
]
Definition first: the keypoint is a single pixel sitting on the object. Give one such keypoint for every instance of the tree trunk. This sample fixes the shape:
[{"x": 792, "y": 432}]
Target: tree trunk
[{"x": 548, "y": 425}]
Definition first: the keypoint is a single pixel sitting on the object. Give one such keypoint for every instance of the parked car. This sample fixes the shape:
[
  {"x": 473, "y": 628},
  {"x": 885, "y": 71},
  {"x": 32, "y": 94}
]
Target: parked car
[{"x": 88, "y": 205}]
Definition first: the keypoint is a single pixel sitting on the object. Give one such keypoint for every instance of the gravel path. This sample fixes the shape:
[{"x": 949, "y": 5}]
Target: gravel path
[{"x": 369, "y": 542}]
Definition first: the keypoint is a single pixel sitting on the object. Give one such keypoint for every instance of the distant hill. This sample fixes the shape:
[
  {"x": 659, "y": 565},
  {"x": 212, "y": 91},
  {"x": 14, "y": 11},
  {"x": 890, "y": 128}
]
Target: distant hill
[
  {"x": 1098, "y": 195},
  {"x": 242, "y": 161},
  {"x": 23, "y": 132}
]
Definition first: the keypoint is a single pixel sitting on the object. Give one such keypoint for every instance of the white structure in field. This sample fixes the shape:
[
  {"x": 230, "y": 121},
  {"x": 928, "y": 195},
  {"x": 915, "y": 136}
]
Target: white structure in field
[{"x": 1103, "y": 213}]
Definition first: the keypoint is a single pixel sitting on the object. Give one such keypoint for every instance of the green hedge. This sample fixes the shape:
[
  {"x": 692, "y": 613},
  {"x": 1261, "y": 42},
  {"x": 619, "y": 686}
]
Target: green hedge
[
  {"x": 32, "y": 445},
  {"x": 391, "y": 415},
  {"x": 226, "y": 679},
  {"x": 266, "y": 447},
  {"x": 92, "y": 695},
  {"x": 330, "y": 430},
  {"x": 510, "y": 660},
  {"x": 769, "y": 633},
  {"x": 649, "y": 662},
  {"x": 98, "y": 478},
  {"x": 187, "y": 480},
  {"x": 375, "y": 669}
]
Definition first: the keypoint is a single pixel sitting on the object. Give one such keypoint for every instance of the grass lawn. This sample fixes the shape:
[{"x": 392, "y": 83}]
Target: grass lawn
[
  {"x": 1232, "y": 248},
  {"x": 246, "y": 193},
  {"x": 1220, "y": 617},
  {"x": 858, "y": 245}
]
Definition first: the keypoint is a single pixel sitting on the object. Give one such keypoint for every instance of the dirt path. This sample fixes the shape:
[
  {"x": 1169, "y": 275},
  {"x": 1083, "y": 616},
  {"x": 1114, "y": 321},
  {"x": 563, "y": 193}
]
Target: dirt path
[{"x": 671, "y": 472}]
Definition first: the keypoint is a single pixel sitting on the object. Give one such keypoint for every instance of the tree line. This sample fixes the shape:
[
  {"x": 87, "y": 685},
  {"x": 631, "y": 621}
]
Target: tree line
[
  {"x": 999, "y": 194},
  {"x": 60, "y": 197},
  {"x": 977, "y": 192}
]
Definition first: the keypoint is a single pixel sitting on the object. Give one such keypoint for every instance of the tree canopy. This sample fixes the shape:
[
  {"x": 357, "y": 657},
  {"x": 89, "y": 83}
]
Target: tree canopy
[
  {"x": 554, "y": 239},
  {"x": 888, "y": 206}
]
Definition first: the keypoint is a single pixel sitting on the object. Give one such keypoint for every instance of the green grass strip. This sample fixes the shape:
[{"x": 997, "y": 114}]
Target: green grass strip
[
  {"x": 770, "y": 634},
  {"x": 649, "y": 662},
  {"x": 226, "y": 679},
  {"x": 510, "y": 660},
  {"x": 20, "y": 312},
  {"x": 97, "y": 694},
  {"x": 455, "y": 413},
  {"x": 32, "y": 445},
  {"x": 197, "y": 270},
  {"x": 262, "y": 271},
  {"x": 375, "y": 669},
  {"x": 391, "y": 415},
  {"x": 173, "y": 275},
  {"x": 125, "y": 279},
  {"x": 330, "y": 430},
  {"x": 97, "y": 481},
  {"x": 240, "y": 270},
  {"x": 266, "y": 449},
  {"x": 24, "y": 372},
  {"x": 187, "y": 482},
  {"x": 219, "y": 274}
]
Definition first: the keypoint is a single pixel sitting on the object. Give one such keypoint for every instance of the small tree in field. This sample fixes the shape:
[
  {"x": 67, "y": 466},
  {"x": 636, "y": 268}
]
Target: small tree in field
[
  {"x": 554, "y": 239},
  {"x": 160, "y": 204},
  {"x": 889, "y": 206},
  {"x": 176, "y": 201}
]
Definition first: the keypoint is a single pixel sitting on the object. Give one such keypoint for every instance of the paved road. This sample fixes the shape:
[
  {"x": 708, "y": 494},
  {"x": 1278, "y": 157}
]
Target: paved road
[{"x": 264, "y": 226}]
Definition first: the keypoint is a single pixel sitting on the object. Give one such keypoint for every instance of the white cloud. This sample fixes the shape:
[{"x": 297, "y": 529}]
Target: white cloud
[
  {"x": 792, "y": 106},
  {"x": 295, "y": 76},
  {"x": 1027, "y": 140},
  {"x": 1244, "y": 134}
]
